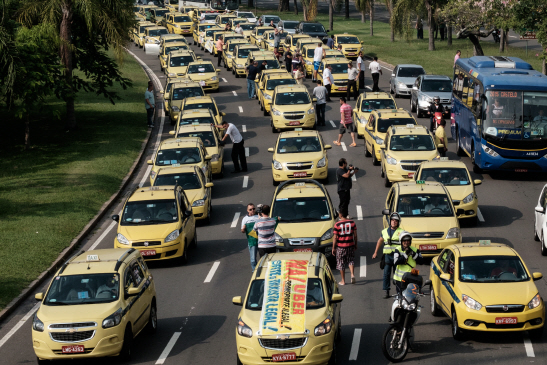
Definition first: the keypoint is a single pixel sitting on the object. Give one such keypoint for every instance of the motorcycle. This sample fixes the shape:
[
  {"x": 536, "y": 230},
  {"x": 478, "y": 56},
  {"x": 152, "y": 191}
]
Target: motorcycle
[
  {"x": 404, "y": 315},
  {"x": 437, "y": 117},
  {"x": 496, "y": 35}
]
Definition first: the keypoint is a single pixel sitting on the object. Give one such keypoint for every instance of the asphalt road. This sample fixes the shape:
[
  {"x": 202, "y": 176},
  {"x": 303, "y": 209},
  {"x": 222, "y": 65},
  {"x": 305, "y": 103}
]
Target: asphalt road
[{"x": 195, "y": 312}]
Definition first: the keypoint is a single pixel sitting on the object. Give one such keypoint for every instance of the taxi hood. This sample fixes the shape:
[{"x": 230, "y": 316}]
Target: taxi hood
[
  {"x": 147, "y": 232},
  {"x": 458, "y": 192},
  {"x": 301, "y": 156},
  {"x": 429, "y": 224},
  {"x": 201, "y": 76},
  {"x": 193, "y": 195},
  {"x": 178, "y": 69},
  {"x": 76, "y": 313},
  {"x": 500, "y": 293},
  {"x": 412, "y": 155},
  {"x": 303, "y": 229}
]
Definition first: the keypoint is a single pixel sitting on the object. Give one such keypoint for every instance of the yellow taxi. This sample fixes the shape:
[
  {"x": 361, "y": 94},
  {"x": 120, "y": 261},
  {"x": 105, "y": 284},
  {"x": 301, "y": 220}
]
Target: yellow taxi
[
  {"x": 199, "y": 31},
  {"x": 235, "y": 21},
  {"x": 404, "y": 149},
  {"x": 307, "y": 54},
  {"x": 426, "y": 212},
  {"x": 158, "y": 15},
  {"x": 158, "y": 221},
  {"x": 268, "y": 56},
  {"x": 240, "y": 58},
  {"x": 196, "y": 187},
  {"x": 300, "y": 154},
  {"x": 167, "y": 91},
  {"x": 366, "y": 103},
  {"x": 144, "y": 12},
  {"x": 269, "y": 84},
  {"x": 207, "y": 35},
  {"x": 210, "y": 44},
  {"x": 456, "y": 178},
  {"x": 227, "y": 37},
  {"x": 268, "y": 41},
  {"x": 168, "y": 48},
  {"x": 257, "y": 33},
  {"x": 173, "y": 5},
  {"x": 177, "y": 63},
  {"x": 333, "y": 53},
  {"x": 203, "y": 102},
  {"x": 205, "y": 73},
  {"x": 171, "y": 37},
  {"x": 290, "y": 41},
  {"x": 307, "y": 217},
  {"x": 152, "y": 36},
  {"x": 339, "y": 73},
  {"x": 351, "y": 45},
  {"x": 180, "y": 90},
  {"x": 179, "y": 23},
  {"x": 196, "y": 116},
  {"x": 292, "y": 107},
  {"x": 304, "y": 326},
  {"x": 138, "y": 35},
  {"x": 261, "y": 78},
  {"x": 97, "y": 302},
  {"x": 181, "y": 151},
  {"x": 247, "y": 29},
  {"x": 228, "y": 55},
  {"x": 486, "y": 286},
  {"x": 224, "y": 18},
  {"x": 301, "y": 42}
]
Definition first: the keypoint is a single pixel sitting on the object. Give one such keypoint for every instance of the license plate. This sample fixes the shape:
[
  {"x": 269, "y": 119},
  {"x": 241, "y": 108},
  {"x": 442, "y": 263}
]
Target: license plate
[
  {"x": 342, "y": 88},
  {"x": 351, "y": 54},
  {"x": 300, "y": 174},
  {"x": 74, "y": 349},
  {"x": 428, "y": 247},
  {"x": 506, "y": 320},
  {"x": 302, "y": 250},
  {"x": 294, "y": 123},
  {"x": 288, "y": 356},
  {"x": 148, "y": 252},
  {"x": 411, "y": 175},
  {"x": 521, "y": 170},
  {"x": 202, "y": 83}
]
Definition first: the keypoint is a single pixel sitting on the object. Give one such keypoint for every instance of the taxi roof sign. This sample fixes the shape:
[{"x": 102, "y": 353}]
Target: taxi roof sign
[
  {"x": 410, "y": 125},
  {"x": 485, "y": 242},
  {"x": 420, "y": 182},
  {"x": 444, "y": 158},
  {"x": 93, "y": 258}
]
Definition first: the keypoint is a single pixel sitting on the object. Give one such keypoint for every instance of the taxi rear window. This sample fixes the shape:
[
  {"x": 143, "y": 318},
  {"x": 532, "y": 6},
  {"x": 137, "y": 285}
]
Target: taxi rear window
[
  {"x": 373, "y": 104},
  {"x": 187, "y": 180}
]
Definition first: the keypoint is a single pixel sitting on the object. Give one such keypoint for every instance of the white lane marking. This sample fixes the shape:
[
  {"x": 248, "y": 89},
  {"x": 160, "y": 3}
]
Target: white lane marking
[
  {"x": 241, "y": 109},
  {"x": 528, "y": 346},
  {"x": 359, "y": 213},
  {"x": 368, "y": 87},
  {"x": 212, "y": 272},
  {"x": 353, "y": 178},
  {"x": 235, "y": 94},
  {"x": 168, "y": 348},
  {"x": 146, "y": 176},
  {"x": 245, "y": 181},
  {"x": 246, "y": 151},
  {"x": 343, "y": 146},
  {"x": 235, "y": 220},
  {"x": 19, "y": 324},
  {"x": 363, "y": 267},
  {"x": 479, "y": 215},
  {"x": 244, "y": 128},
  {"x": 102, "y": 236},
  {"x": 355, "y": 344},
  {"x": 223, "y": 79},
  {"x": 332, "y": 123}
]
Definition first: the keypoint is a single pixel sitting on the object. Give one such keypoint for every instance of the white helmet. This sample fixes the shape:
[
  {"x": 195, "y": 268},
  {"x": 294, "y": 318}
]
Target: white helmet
[{"x": 405, "y": 235}]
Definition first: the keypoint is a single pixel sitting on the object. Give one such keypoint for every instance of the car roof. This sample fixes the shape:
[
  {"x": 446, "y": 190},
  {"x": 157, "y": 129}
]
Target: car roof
[
  {"x": 404, "y": 130},
  {"x": 278, "y": 75},
  {"x": 478, "y": 249},
  {"x": 181, "y": 52},
  {"x": 199, "y": 99},
  {"x": 345, "y": 35},
  {"x": 245, "y": 46},
  {"x": 153, "y": 193},
  {"x": 198, "y": 128},
  {"x": 428, "y": 187},
  {"x": 376, "y": 95},
  {"x": 443, "y": 163},
  {"x": 286, "y": 88},
  {"x": 156, "y": 28},
  {"x": 172, "y": 44},
  {"x": 263, "y": 27},
  {"x": 295, "y": 133},
  {"x": 436, "y": 77},
  {"x": 392, "y": 113},
  {"x": 299, "y": 188},
  {"x": 315, "y": 260},
  {"x": 108, "y": 260},
  {"x": 185, "y": 83},
  {"x": 191, "y": 113},
  {"x": 177, "y": 169},
  {"x": 200, "y": 62},
  {"x": 171, "y": 143},
  {"x": 336, "y": 60}
]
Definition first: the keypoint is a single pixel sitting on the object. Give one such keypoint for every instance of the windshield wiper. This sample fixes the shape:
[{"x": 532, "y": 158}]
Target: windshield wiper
[{"x": 58, "y": 303}]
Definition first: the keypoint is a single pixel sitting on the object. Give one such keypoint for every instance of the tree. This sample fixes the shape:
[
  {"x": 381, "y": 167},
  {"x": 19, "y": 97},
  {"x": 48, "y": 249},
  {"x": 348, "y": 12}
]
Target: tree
[
  {"x": 403, "y": 13},
  {"x": 532, "y": 15},
  {"x": 283, "y": 5},
  {"x": 362, "y": 6},
  {"x": 332, "y": 5},
  {"x": 346, "y": 3}
]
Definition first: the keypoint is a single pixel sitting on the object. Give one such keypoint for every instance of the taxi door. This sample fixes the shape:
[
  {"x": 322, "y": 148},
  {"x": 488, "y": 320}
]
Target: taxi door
[
  {"x": 332, "y": 289},
  {"x": 136, "y": 306},
  {"x": 445, "y": 293},
  {"x": 209, "y": 170},
  {"x": 369, "y": 134},
  {"x": 187, "y": 219},
  {"x": 253, "y": 37}
]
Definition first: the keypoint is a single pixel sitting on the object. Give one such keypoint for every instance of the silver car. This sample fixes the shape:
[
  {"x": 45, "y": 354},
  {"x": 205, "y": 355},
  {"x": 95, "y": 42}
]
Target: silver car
[
  {"x": 403, "y": 78},
  {"x": 288, "y": 26},
  {"x": 266, "y": 19},
  {"x": 251, "y": 18},
  {"x": 425, "y": 88}
]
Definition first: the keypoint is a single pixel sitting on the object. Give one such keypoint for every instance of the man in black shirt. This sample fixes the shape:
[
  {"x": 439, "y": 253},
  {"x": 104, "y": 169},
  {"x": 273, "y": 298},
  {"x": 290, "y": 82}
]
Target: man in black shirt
[
  {"x": 288, "y": 61},
  {"x": 343, "y": 177},
  {"x": 252, "y": 71}
]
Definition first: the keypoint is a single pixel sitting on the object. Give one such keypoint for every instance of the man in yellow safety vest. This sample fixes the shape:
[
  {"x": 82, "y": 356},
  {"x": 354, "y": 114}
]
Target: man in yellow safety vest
[
  {"x": 390, "y": 240},
  {"x": 405, "y": 259}
]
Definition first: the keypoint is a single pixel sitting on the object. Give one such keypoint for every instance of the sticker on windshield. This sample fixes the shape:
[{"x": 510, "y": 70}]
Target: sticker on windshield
[
  {"x": 415, "y": 211},
  {"x": 281, "y": 199},
  {"x": 468, "y": 277},
  {"x": 300, "y": 203},
  {"x": 84, "y": 281},
  {"x": 83, "y": 295},
  {"x": 201, "y": 69},
  {"x": 173, "y": 161},
  {"x": 150, "y": 205},
  {"x": 283, "y": 139},
  {"x": 326, "y": 216},
  {"x": 282, "y": 150},
  {"x": 463, "y": 182}
]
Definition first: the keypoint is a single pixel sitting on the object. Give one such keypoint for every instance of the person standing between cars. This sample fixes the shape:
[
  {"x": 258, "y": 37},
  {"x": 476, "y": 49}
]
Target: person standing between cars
[
  {"x": 238, "y": 29},
  {"x": 390, "y": 240},
  {"x": 295, "y": 60},
  {"x": 440, "y": 138},
  {"x": 330, "y": 42},
  {"x": 318, "y": 54},
  {"x": 238, "y": 148},
  {"x": 247, "y": 227},
  {"x": 328, "y": 80},
  {"x": 252, "y": 70},
  {"x": 344, "y": 246},
  {"x": 405, "y": 258},
  {"x": 457, "y": 56},
  {"x": 277, "y": 37},
  {"x": 149, "y": 104},
  {"x": 361, "y": 69},
  {"x": 353, "y": 74},
  {"x": 265, "y": 230},
  {"x": 288, "y": 60},
  {"x": 320, "y": 92},
  {"x": 220, "y": 47},
  {"x": 343, "y": 178},
  {"x": 299, "y": 75},
  {"x": 375, "y": 71},
  {"x": 346, "y": 123},
  {"x": 340, "y": 48}
]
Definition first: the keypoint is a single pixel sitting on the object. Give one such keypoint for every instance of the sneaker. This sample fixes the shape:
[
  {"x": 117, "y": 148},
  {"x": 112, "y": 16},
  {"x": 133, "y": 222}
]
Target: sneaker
[{"x": 387, "y": 295}]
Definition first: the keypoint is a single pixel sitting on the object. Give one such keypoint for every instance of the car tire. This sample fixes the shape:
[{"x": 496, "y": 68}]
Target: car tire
[
  {"x": 375, "y": 161},
  {"x": 419, "y": 114},
  {"x": 382, "y": 172},
  {"x": 390, "y": 89},
  {"x": 207, "y": 220},
  {"x": 183, "y": 260},
  {"x": 274, "y": 129},
  {"x": 367, "y": 153},
  {"x": 152, "y": 326},
  {"x": 543, "y": 248},
  {"x": 476, "y": 168},
  {"x": 387, "y": 183},
  {"x": 457, "y": 332},
  {"x": 238, "y": 362},
  {"x": 434, "y": 307},
  {"x": 536, "y": 237},
  {"x": 412, "y": 107},
  {"x": 125, "y": 352},
  {"x": 332, "y": 359},
  {"x": 275, "y": 183},
  {"x": 325, "y": 181}
]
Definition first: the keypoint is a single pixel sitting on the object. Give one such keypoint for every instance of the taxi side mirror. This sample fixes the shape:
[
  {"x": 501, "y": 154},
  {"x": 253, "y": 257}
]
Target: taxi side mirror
[
  {"x": 477, "y": 182},
  {"x": 150, "y": 162},
  {"x": 162, "y": 91},
  {"x": 198, "y": 57},
  {"x": 362, "y": 42},
  {"x": 385, "y": 212},
  {"x": 540, "y": 210},
  {"x": 217, "y": 70},
  {"x": 187, "y": 213},
  {"x": 370, "y": 128},
  {"x": 314, "y": 100},
  {"x": 209, "y": 185},
  {"x": 537, "y": 276},
  {"x": 222, "y": 114},
  {"x": 328, "y": 147},
  {"x": 116, "y": 218},
  {"x": 131, "y": 292},
  {"x": 282, "y": 66},
  {"x": 208, "y": 157},
  {"x": 237, "y": 301},
  {"x": 270, "y": 149},
  {"x": 445, "y": 277},
  {"x": 440, "y": 145},
  {"x": 336, "y": 298},
  {"x": 40, "y": 296},
  {"x": 172, "y": 133}
]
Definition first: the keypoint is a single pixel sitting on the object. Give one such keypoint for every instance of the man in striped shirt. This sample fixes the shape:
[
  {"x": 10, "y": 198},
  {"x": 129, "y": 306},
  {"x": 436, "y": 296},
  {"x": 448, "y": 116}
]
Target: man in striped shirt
[
  {"x": 344, "y": 245},
  {"x": 265, "y": 230}
]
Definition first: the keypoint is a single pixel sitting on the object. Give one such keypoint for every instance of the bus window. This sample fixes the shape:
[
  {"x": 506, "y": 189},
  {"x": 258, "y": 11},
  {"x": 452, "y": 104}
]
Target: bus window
[
  {"x": 503, "y": 114},
  {"x": 458, "y": 85},
  {"x": 464, "y": 88},
  {"x": 470, "y": 91}
]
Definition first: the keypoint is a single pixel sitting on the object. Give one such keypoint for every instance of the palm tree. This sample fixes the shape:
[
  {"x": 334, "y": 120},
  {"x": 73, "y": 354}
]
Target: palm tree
[{"x": 108, "y": 20}]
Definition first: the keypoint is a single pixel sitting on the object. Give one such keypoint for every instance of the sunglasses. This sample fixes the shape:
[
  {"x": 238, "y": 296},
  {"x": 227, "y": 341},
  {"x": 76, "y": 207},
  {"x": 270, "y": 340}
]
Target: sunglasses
[{"x": 251, "y": 209}]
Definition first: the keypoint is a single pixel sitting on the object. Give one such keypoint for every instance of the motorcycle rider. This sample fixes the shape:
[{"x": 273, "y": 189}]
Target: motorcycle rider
[
  {"x": 434, "y": 107},
  {"x": 390, "y": 240},
  {"x": 405, "y": 259}
]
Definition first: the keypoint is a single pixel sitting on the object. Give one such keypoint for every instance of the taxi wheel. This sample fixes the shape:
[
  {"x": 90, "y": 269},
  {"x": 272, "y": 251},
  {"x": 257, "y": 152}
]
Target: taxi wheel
[
  {"x": 435, "y": 310},
  {"x": 375, "y": 161},
  {"x": 387, "y": 183},
  {"x": 261, "y": 107},
  {"x": 543, "y": 248},
  {"x": 152, "y": 326},
  {"x": 208, "y": 219},
  {"x": 381, "y": 170},
  {"x": 238, "y": 361},
  {"x": 266, "y": 112},
  {"x": 412, "y": 107},
  {"x": 183, "y": 260},
  {"x": 367, "y": 153},
  {"x": 332, "y": 360},
  {"x": 194, "y": 243},
  {"x": 125, "y": 353},
  {"x": 457, "y": 332},
  {"x": 536, "y": 237},
  {"x": 459, "y": 149}
]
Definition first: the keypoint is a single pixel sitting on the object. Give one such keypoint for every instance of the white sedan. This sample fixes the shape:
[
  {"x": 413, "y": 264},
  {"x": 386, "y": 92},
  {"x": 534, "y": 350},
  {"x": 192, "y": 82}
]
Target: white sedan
[{"x": 540, "y": 223}]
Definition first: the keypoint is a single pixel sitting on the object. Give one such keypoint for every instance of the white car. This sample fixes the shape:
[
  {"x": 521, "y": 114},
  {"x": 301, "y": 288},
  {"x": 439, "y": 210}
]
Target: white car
[
  {"x": 251, "y": 18},
  {"x": 540, "y": 225}
]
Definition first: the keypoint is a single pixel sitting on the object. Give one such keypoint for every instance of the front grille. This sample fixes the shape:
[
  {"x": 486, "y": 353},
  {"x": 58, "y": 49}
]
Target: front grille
[
  {"x": 301, "y": 241},
  {"x": 445, "y": 101},
  {"x": 427, "y": 235},
  {"x": 411, "y": 165},
  {"x": 300, "y": 166},
  {"x": 77, "y": 336},
  {"x": 520, "y": 166},
  {"x": 294, "y": 115},
  {"x": 150, "y": 243},
  {"x": 276, "y": 344},
  {"x": 340, "y": 83},
  {"x": 511, "y": 308},
  {"x": 72, "y": 325},
  {"x": 409, "y": 86},
  {"x": 185, "y": 27},
  {"x": 351, "y": 49},
  {"x": 180, "y": 74},
  {"x": 269, "y": 359},
  {"x": 86, "y": 351},
  {"x": 505, "y": 326}
]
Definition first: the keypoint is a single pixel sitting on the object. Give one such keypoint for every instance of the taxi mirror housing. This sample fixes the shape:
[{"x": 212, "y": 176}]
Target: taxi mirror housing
[
  {"x": 209, "y": 185},
  {"x": 477, "y": 182},
  {"x": 131, "y": 292},
  {"x": 540, "y": 210},
  {"x": 445, "y": 277},
  {"x": 187, "y": 213},
  {"x": 537, "y": 275},
  {"x": 440, "y": 145},
  {"x": 116, "y": 218},
  {"x": 217, "y": 70},
  {"x": 328, "y": 147},
  {"x": 198, "y": 57},
  {"x": 208, "y": 157},
  {"x": 270, "y": 149},
  {"x": 336, "y": 298},
  {"x": 237, "y": 301},
  {"x": 223, "y": 114},
  {"x": 385, "y": 212},
  {"x": 172, "y": 133},
  {"x": 314, "y": 100},
  {"x": 282, "y": 66},
  {"x": 40, "y": 296}
]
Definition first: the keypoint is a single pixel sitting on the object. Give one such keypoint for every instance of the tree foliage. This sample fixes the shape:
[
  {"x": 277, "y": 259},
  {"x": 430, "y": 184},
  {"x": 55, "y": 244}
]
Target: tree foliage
[{"x": 532, "y": 15}]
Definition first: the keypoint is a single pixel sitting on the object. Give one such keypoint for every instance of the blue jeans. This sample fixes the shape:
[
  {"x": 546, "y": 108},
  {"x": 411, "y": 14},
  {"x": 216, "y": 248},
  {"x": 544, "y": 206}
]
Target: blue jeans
[
  {"x": 388, "y": 269},
  {"x": 252, "y": 251},
  {"x": 251, "y": 88}
]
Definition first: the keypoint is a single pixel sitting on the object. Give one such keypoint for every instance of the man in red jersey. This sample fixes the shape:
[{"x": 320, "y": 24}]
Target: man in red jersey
[{"x": 344, "y": 245}]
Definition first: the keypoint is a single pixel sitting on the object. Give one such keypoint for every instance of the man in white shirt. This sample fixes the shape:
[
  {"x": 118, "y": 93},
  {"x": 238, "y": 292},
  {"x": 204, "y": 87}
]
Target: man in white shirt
[
  {"x": 353, "y": 74},
  {"x": 375, "y": 71},
  {"x": 238, "y": 149},
  {"x": 320, "y": 92},
  {"x": 238, "y": 29},
  {"x": 317, "y": 58},
  {"x": 361, "y": 69},
  {"x": 247, "y": 225},
  {"x": 328, "y": 79}
]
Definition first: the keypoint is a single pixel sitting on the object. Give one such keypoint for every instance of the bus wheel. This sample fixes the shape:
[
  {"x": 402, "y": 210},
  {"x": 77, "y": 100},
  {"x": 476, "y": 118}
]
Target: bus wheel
[{"x": 476, "y": 168}]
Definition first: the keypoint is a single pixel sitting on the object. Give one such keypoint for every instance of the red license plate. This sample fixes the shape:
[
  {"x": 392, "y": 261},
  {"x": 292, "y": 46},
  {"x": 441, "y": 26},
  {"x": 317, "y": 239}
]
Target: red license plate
[
  {"x": 521, "y": 170},
  {"x": 294, "y": 123},
  {"x": 506, "y": 320},
  {"x": 411, "y": 175},
  {"x": 74, "y": 349},
  {"x": 342, "y": 88},
  {"x": 148, "y": 252},
  {"x": 288, "y": 356},
  {"x": 428, "y": 247},
  {"x": 302, "y": 250},
  {"x": 351, "y": 54},
  {"x": 300, "y": 174}
]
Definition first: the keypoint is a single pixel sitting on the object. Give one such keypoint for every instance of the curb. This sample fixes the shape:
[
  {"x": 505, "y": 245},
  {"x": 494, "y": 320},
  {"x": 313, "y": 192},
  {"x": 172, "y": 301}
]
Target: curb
[{"x": 67, "y": 252}]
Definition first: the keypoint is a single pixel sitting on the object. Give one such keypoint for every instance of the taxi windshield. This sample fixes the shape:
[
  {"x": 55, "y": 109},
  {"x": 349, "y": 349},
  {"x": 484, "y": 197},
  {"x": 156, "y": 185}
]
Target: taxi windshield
[
  {"x": 384, "y": 124},
  {"x": 488, "y": 269},
  {"x": 83, "y": 289},
  {"x": 180, "y": 61},
  {"x": 269, "y": 18},
  {"x": 182, "y": 19},
  {"x": 271, "y": 84},
  {"x": 207, "y": 137},
  {"x": 339, "y": 68},
  {"x": 424, "y": 205},
  {"x": 369, "y": 105},
  {"x": 292, "y": 98},
  {"x": 210, "y": 16},
  {"x": 146, "y": 212},
  {"x": 420, "y": 142},
  {"x": 449, "y": 176},
  {"x": 183, "y": 155},
  {"x": 244, "y": 53},
  {"x": 202, "y": 68},
  {"x": 232, "y": 45},
  {"x": 270, "y": 64},
  {"x": 183, "y": 93},
  {"x": 314, "y": 295},
  {"x": 304, "y": 209},
  {"x": 199, "y": 120},
  {"x": 209, "y": 106},
  {"x": 143, "y": 27},
  {"x": 247, "y": 26},
  {"x": 290, "y": 25},
  {"x": 347, "y": 40},
  {"x": 209, "y": 33},
  {"x": 187, "y": 180},
  {"x": 157, "y": 32},
  {"x": 174, "y": 48},
  {"x": 261, "y": 31},
  {"x": 298, "y": 144}
]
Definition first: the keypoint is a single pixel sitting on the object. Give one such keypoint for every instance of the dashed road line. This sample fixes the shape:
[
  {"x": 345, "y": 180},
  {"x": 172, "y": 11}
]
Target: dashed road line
[
  {"x": 102, "y": 236},
  {"x": 212, "y": 272},
  {"x": 235, "y": 220},
  {"x": 19, "y": 324},
  {"x": 245, "y": 181},
  {"x": 363, "y": 267},
  {"x": 355, "y": 344},
  {"x": 359, "y": 213},
  {"x": 223, "y": 79},
  {"x": 343, "y": 146},
  {"x": 233, "y": 91},
  {"x": 246, "y": 151},
  {"x": 332, "y": 123},
  {"x": 528, "y": 346},
  {"x": 244, "y": 128},
  {"x": 241, "y": 109},
  {"x": 168, "y": 348},
  {"x": 479, "y": 215}
]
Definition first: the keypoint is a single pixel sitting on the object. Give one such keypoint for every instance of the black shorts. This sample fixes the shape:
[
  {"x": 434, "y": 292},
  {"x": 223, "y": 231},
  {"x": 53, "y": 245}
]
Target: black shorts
[{"x": 347, "y": 128}]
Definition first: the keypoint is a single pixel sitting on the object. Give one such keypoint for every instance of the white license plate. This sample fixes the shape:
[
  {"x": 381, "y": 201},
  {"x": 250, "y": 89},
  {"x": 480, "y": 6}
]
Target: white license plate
[
  {"x": 428, "y": 247},
  {"x": 148, "y": 252},
  {"x": 506, "y": 320}
]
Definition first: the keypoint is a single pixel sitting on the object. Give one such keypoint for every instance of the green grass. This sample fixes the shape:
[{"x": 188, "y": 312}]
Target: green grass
[
  {"x": 440, "y": 61},
  {"x": 50, "y": 192}
]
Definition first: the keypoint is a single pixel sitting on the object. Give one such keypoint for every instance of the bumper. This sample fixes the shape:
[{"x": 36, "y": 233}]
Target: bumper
[
  {"x": 200, "y": 212},
  {"x": 182, "y": 31},
  {"x": 210, "y": 85},
  {"x": 324, "y": 247},
  {"x": 395, "y": 173},
  {"x": 470, "y": 209},
  {"x": 441, "y": 244},
  {"x": 361, "y": 128},
  {"x": 216, "y": 166},
  {"x": 316, "y": 174},
  {"x": 308, "y": 121},
  {"x": 488, "y": 162},
  {"x": 403, "y": 91},
  {"x": 166, "y": 251},
  {"x": 228, "y": 62},
  {"x": 240, "y": 71},
  {"x": 529, "y": 319},
  {"x": 100, "y": 345},
  {"x": 342, "y": 89}
]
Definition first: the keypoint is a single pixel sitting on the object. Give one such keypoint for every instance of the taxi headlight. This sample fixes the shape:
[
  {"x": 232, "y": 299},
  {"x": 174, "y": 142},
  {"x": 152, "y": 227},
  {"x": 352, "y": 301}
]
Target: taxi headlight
[
  {"x": 173, "y": 235},
  {"x": 363, "y": 120},
  {"x": 490, "y": 151},
  {"x": 269, "y": 97},
  {"x": 309, "y": 63},
  {"x": 176, "y": 25},
  {"x": 37, "y": 325},
  {"x": 277, "y": 165},
  {"x": 379, "y": 140},
  {"x": 322, "y": 162},
  {"x": 215, "y": 157},
  {"x": 390, "y": 160},
  {"x": 311, "y": 111},
  {"x": 468, "y": 199},
  {"x": 327, "y": 235},
  {"x": 276, "y": 112},
  {"x": 121, "y": 239},
  {"x": 453, "y": 233},
  {"x": 471, "y": 303},
  {"x": 243, "y": 329},
  {"x": 324, "y": 327},
  {"x": 113, "y": 320},
  {"x": 278, "y": 238},
  {"x": 535, "y": 302},
  {"x": 171, "y": 74},
  {"x": 214, "y": 78},
  {"x": 175, "y": 108},
  {"x": 239, "y": 65},
  {"x": 199, "y": 203}
]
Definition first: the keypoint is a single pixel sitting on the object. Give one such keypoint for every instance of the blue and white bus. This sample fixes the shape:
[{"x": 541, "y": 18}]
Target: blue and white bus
[
  {"x": 219, "y": 5},
  {"x": 500, "y": 111}
]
